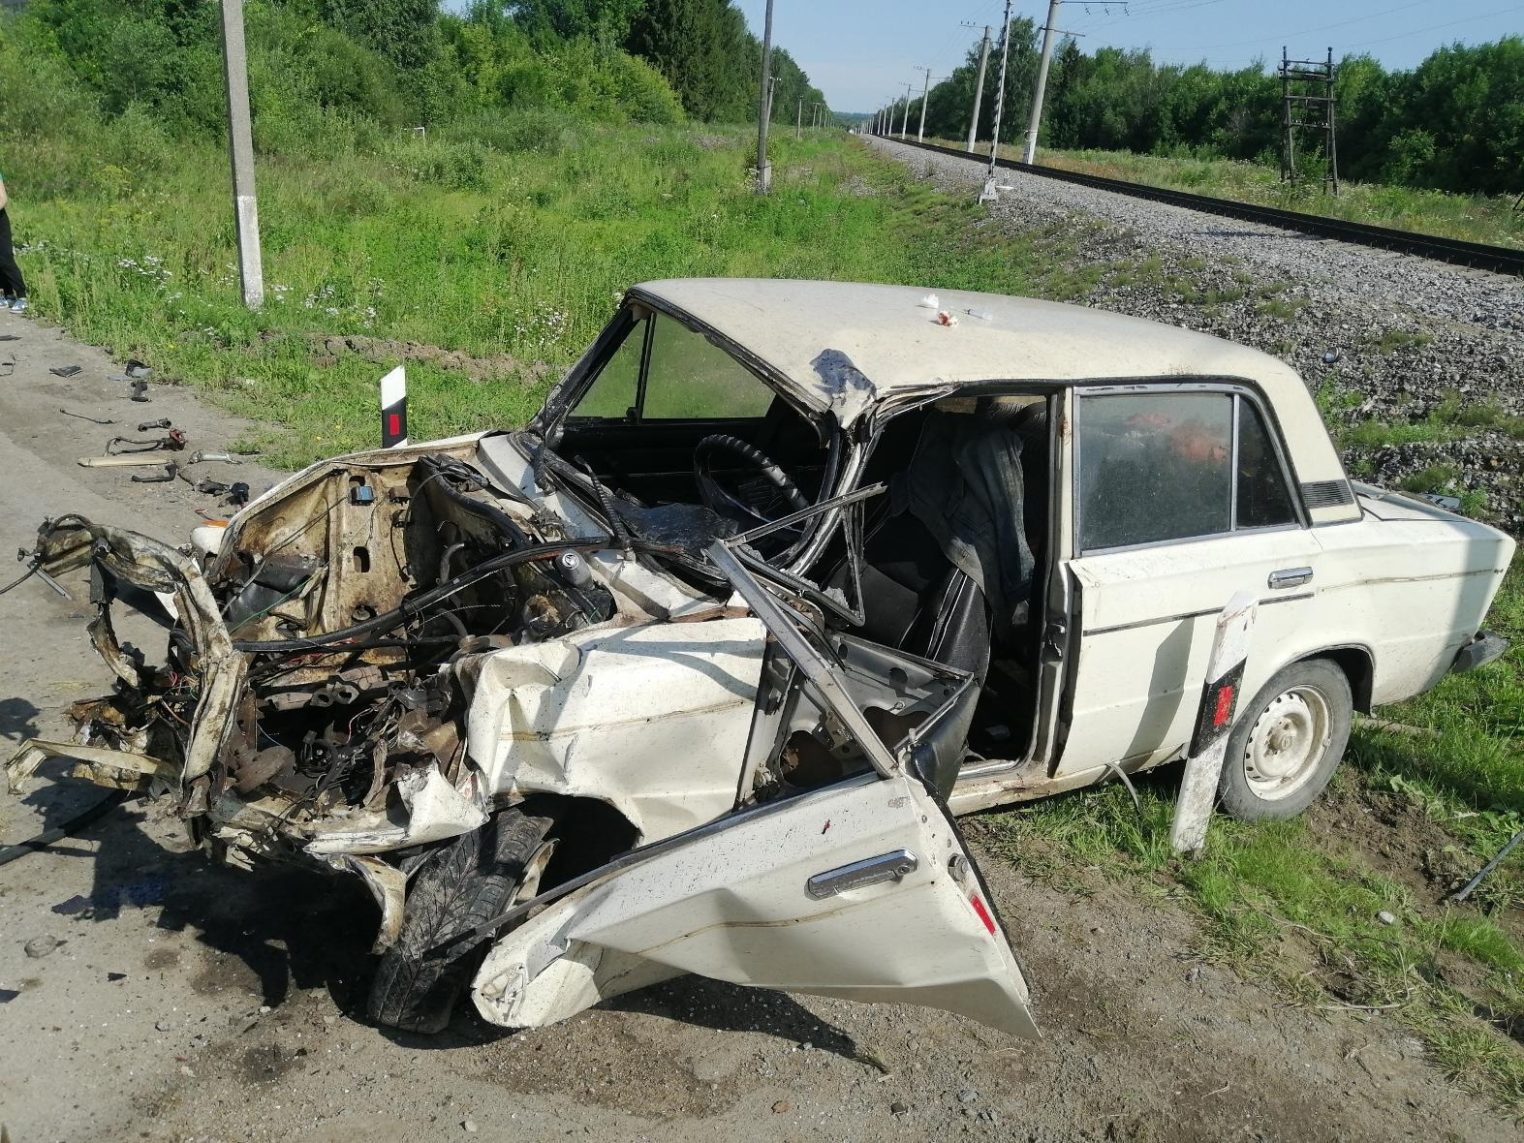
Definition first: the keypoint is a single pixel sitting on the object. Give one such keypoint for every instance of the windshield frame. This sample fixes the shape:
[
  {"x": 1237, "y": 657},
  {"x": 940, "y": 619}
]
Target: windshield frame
[{"x": 562, "y": 400}]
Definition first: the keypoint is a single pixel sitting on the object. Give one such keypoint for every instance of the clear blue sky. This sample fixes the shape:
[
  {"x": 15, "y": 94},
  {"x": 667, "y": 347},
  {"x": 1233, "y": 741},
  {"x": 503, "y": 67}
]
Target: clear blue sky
[{"x": 862, "y": 52}]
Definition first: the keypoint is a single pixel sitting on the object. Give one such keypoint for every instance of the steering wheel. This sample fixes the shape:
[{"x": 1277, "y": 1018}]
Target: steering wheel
[{"x": 737, "y": 502}]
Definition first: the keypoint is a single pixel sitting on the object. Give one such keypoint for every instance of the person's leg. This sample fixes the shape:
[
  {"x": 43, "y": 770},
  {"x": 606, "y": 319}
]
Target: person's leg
[{"x": 11, "y": 282}]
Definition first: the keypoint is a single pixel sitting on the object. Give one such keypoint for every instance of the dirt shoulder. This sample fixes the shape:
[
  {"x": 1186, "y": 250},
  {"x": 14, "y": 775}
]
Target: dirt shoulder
[{"x": 193, "y": 1002}]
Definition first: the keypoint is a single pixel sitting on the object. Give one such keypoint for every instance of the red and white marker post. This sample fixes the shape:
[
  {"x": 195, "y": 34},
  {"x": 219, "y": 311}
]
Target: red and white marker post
[
  {"x": 1209, "y": 745},
  {"x": 394, "y": 408}
]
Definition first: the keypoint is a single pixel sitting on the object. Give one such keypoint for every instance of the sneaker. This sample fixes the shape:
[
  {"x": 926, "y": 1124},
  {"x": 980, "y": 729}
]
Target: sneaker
[{"x": 18, "y": 306}]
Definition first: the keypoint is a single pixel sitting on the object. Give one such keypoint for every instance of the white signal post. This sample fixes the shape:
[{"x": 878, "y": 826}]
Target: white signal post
[
  {"x": 1214, "y": 723},
  {"x": 235, "y": 69},
  {"x": 989, "y": 194},
  {"x": 765, "y": 99}
]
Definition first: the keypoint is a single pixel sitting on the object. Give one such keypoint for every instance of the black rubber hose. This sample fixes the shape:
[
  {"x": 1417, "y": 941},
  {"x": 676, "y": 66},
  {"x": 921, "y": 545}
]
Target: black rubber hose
[{"x": 78, "y": 822}]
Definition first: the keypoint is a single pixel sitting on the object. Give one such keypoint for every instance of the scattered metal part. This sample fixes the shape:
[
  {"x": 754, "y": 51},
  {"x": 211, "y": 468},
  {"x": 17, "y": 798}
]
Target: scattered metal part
[
  {"x": 238, "y": 493},
  {"x": 1467, "y": 889},
  {"x": 92, "y": 420},
  {"x": 140, "y": 392},
  {"x": 9, "y": 337},
  {"x": 161, "y": 423},
  {"x": 171, "y": 470},
  {"x": 173, "y": 441},
  {"x": 135, "y": 371},
  {"x": 199, "y": 455},
  {"x": 66, "y": 370},
  {"x": 126, "y": 460},
  {"x": 53, "y": 583}
]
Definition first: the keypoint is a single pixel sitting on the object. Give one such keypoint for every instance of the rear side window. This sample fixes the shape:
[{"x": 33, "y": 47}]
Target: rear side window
[{"x": 1155, "y": 467}]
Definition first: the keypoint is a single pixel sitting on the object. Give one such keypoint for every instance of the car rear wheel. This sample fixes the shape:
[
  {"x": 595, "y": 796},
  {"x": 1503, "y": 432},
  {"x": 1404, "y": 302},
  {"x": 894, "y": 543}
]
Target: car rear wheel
[
  {"x": 462, "y": 884},
  {"x": 1287, "y": 743}
]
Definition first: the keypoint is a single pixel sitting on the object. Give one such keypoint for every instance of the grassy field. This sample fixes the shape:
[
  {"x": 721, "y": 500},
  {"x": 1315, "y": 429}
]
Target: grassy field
[
  {"x": 499, "y": 265},
  {"x": 1476, "y": 218},
  {"x": 512, "y": 258}
]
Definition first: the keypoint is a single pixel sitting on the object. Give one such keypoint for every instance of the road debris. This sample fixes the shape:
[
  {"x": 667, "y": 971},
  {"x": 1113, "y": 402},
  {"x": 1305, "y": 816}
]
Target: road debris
[
  {"x": 161, "y": 423},
  {"x": 173, "y": 441},
  {"x": 1470, "y": 886},
  {"x": 66, "y": 370},
  {"x": 39, "y": 947},
  {"x": 92, "y": 420},
  {"x": 140, "y": 392}
]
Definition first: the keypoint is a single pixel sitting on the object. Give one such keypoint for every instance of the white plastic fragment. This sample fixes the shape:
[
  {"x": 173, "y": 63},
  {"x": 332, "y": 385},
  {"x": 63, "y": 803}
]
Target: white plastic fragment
[{"x": 930, "y": 302}]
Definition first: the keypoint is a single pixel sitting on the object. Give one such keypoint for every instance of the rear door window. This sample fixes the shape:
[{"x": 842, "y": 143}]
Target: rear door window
[{"x": 1157, "y": 467}]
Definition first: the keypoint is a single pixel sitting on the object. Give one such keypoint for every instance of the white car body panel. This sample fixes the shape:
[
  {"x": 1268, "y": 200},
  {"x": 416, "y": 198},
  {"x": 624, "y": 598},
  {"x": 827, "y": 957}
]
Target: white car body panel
[
  {"x": 651, "y": 719},
  {"x": 1412, "y": 588},
  {"x": 1147, "y": 622},
  {"x": 732, "y": 904}
]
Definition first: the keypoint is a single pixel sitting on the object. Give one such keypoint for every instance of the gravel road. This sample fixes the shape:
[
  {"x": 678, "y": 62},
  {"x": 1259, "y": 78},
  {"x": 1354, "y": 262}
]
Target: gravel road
[
  {"x": 167, "y": 999},
  {"x": 1411, "y": 337}
]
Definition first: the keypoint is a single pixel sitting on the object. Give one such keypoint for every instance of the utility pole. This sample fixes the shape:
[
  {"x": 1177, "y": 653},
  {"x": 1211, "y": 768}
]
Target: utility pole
[
  {"x": 1035, "y": 124},
  {"x": 989, "y": 194},
  {"x": 1050, "y": 29},
  {"x": 764, "y": 168},
  {"x": 920, "y": 133},
  {"x": 799, "y": 120},
  {"x": 905, "y": 123},
  {"x": 973, "y": 123},
  {"x": 241, "y": 148}
]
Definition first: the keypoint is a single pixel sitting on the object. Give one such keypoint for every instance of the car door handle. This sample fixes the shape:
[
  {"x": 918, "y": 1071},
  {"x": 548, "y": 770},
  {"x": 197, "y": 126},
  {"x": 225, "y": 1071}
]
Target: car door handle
[
  {"x": 869, "y": 871},
  {"x": 1290, "y": 577}
]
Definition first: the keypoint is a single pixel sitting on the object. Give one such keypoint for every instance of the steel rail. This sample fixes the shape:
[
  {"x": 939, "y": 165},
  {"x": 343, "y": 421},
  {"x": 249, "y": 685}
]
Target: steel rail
[{"x": 1498, "y": 259}]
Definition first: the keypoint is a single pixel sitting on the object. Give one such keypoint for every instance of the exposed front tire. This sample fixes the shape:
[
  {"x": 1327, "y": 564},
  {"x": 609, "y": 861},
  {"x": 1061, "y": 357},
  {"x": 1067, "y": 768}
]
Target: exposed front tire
[
  {"x": 1287, "y": 742},
  {"x": 463, "y": 883}
]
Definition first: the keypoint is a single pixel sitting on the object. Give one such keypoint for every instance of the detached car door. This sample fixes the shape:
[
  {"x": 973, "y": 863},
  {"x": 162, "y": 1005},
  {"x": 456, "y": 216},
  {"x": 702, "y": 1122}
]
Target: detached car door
[
  {"x": 1182, "y": 498},
  {"x": 863, "y": 890}
]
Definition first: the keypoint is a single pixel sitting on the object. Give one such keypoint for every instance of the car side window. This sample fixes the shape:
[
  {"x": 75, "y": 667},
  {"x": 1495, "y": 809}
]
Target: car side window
[
  {"x": 1264, "y": 500},
  {"x": 1154, "y": 467},
  {"x": 616, "y": 390}
]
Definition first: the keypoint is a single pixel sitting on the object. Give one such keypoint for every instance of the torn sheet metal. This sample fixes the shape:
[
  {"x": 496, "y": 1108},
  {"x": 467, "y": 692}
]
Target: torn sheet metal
[
  {"x": 435, "y": 810},
  {"x": 117, "y": 769}
]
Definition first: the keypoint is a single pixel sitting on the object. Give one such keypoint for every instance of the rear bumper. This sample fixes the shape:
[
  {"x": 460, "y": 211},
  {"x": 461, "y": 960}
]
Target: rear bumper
[{"x": 1481, "y": 649}]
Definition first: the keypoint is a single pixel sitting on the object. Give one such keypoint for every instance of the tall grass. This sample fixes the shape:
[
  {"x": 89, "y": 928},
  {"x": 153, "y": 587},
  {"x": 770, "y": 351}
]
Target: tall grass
[{"x": 513, "y": 256}]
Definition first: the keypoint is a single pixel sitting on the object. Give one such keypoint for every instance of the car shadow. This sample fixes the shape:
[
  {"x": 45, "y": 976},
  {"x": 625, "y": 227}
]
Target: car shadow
[
  {"x": 725, "y": 1007},
  {"x": 18, "y": 720},
  {"x": 278, "y": 929}
]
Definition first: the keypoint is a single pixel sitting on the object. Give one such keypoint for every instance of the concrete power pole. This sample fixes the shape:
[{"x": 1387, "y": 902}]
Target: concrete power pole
[
  {"x": 241, "y": 148},
  {"x": 1042, "y": 80},
  {"x": 764, "y": 168},
  {"x": 920, "y": 133},
  {"x": 799, "y": 120},
  {"x": 973, "y": 123},
  {"x": 905, "y": 123},
  {"x": 989, "y": 194}
]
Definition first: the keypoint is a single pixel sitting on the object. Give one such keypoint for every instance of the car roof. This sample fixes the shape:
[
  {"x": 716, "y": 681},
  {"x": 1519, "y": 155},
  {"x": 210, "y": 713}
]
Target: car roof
[{"x": 808, "y": 333}]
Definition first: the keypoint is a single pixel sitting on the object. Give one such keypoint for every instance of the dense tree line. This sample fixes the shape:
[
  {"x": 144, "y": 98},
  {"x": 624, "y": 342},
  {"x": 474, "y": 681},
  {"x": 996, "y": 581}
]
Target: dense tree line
[
  {"x": 1455, "y": 122},
  {"x": 398, "y": 63}
]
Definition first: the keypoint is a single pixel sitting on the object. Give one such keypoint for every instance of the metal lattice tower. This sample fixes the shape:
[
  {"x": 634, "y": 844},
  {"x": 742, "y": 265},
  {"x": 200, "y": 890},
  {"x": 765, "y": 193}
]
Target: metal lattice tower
[{"x": 1308, "y": 103}]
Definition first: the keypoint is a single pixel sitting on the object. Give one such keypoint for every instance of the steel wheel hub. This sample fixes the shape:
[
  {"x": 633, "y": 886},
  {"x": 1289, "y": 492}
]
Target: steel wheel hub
[{"x": 1287, "y": 742}]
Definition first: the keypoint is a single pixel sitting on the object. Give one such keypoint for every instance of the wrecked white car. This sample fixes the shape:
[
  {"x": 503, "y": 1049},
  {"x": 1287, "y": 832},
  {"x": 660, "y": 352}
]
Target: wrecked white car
[{"x": 691, "y": 674}]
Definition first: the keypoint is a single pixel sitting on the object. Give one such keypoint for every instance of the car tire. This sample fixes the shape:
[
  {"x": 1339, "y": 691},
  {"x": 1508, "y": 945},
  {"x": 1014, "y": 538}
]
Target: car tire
[
  {"x": 461, "y": 884},
  {"x": 1287, "y": 743}
]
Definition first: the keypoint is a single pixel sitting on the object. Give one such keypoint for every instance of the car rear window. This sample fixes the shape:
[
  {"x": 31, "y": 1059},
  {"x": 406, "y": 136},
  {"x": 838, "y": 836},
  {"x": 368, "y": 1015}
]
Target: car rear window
[{"x": 1155, "y": 467}]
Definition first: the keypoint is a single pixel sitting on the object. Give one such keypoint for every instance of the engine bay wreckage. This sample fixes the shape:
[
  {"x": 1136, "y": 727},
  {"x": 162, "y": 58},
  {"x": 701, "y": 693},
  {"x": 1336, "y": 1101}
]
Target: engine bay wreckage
[{"x": 573, "y": 738}]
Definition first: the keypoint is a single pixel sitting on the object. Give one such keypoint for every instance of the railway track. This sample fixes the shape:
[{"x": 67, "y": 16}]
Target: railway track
[{"x": 1498, "y": 259}]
